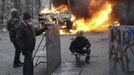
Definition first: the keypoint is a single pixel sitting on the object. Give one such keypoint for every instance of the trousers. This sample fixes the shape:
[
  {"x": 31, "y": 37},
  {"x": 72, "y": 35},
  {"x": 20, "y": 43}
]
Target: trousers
[
  {"x": 28, "y": 63},
  {"x": 17, "y": 53}
]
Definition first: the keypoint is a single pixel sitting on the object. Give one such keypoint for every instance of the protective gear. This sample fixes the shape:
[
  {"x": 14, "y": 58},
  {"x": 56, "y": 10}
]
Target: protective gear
[
  {"x": 14, "y": 13},
  {"x": 11, "y": 27},
  {"x": 79, "y": 33}
]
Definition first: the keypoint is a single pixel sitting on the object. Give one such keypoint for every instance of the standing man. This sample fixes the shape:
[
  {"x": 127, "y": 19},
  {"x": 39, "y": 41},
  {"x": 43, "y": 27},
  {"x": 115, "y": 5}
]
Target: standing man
[
  {"x": 26, "y": 38},
  {"x": 11, "y": 27}
]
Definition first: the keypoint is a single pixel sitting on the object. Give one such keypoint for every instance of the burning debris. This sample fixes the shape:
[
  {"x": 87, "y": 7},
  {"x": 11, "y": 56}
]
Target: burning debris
[{"x": 86, "y": 15}]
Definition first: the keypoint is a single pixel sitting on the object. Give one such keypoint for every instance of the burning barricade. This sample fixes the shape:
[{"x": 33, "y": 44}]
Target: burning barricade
[{"x": 88, "y": 15}]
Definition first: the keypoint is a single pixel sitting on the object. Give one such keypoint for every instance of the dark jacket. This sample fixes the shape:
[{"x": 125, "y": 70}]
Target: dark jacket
[
  {"x": 11, "y": 27},
  {"x": 79, "y": 43},
  {"x": 26, "y": 37}
]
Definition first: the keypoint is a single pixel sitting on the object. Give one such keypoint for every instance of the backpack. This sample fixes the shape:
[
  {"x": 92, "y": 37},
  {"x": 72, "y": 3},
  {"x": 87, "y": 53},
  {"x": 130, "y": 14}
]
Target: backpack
[
  {"x": 11, "y": 27},
  {"x": 11, "y": 24}
]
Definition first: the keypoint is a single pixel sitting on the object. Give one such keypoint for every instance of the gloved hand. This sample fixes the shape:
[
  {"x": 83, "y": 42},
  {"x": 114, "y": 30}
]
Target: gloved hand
[{"x": 84, "y": 48}]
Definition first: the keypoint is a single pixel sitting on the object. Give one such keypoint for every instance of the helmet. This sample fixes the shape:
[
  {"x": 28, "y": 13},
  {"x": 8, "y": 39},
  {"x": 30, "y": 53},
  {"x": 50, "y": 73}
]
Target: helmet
[
  {"x": 79, "y": 33},
  {"x": 14, "y": 13}
]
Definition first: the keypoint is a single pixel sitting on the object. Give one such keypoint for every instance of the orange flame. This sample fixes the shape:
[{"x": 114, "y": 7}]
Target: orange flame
[
  {"x": 61, "y": 8},
  {"x": 99, "y": 22}
]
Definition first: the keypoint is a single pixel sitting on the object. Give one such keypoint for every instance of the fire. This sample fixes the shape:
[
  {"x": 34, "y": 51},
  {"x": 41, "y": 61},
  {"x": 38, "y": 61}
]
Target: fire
[
  {"x": 46, "y": 10},
  {"x": 61, "y": 8},
  {"x": 99, "y": 22}
]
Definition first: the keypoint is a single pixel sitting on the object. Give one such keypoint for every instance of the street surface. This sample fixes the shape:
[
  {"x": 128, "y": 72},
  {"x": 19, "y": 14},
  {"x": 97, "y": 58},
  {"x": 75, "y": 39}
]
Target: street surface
[{"x": 99, "y": 63}]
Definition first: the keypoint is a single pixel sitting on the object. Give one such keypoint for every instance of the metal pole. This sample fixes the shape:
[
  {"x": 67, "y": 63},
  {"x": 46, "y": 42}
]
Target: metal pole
[
  {"x": 3, "y": 3},
  {"x": 50, "y": 6},
  {"x": 69, "y": 7}
]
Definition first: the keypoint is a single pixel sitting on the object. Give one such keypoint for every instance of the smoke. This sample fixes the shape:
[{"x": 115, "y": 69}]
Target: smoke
[
  {"x": 119, "y": 11},
  {"x": 81, "y": 8},
  {"x": 122, "y": 10},
  {"x": 59, "y": 2}
]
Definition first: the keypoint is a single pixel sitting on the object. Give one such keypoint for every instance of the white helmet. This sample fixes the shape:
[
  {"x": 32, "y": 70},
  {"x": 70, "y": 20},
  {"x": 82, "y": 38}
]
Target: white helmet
[
  {"x": 79, "y": 33},
  {"x": 14, "y": 12}
]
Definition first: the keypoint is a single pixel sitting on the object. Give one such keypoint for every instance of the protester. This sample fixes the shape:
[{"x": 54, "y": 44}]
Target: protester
[
  {"x": 11, "y": 27},
  {"x": 80, "y": 45},
  {"x": 26, "y": 38}
]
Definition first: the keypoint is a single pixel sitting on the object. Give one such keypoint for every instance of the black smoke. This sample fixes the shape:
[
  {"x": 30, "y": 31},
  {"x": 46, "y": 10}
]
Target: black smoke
[
  {"x": 122, "y": 10},
  {"x": 78, "y": 7}
]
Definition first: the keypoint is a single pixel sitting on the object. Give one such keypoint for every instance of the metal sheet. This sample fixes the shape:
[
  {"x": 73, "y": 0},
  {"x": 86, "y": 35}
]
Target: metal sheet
[
  {"x": 53, "y": 48},
  {"x": 121, "y": 48}
]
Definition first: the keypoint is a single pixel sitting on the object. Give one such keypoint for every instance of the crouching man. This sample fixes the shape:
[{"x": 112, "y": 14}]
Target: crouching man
[
  {"x": 80, "y": 45},
  {"x": 26, "y": 39}
]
